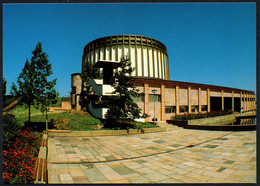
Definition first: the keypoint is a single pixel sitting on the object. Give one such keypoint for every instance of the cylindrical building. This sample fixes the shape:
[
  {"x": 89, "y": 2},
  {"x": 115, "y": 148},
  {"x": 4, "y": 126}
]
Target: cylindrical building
[{"x": 148, "y": 56}]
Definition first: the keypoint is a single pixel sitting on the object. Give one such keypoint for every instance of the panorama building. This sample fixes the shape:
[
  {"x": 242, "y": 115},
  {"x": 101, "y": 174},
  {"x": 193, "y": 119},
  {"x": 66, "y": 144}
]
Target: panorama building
[{"x": 163, "y": 97}]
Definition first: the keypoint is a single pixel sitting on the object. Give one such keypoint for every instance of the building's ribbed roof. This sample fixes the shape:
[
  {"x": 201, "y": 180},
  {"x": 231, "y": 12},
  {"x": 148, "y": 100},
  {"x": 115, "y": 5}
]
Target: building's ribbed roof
[{"x": 125, "y": 39}]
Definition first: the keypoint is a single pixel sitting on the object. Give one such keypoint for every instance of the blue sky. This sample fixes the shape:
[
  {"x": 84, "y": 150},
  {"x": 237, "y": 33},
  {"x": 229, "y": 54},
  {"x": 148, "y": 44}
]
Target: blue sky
[{"x": 209, "y": 43}]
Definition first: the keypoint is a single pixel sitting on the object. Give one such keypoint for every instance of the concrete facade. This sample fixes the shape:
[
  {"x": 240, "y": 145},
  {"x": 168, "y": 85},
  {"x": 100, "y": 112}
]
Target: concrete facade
[{"x": 193, "y": 97}]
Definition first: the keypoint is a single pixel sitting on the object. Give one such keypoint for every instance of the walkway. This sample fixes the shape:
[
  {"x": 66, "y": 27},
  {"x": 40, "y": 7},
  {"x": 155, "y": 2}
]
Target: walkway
[{"x": 175, "y": 156}]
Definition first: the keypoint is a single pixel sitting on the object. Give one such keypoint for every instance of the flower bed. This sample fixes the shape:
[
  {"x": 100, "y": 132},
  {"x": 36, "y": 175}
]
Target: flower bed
[
  {"x": 200, "y": 115},
  {"x": 19, "y": 156}
]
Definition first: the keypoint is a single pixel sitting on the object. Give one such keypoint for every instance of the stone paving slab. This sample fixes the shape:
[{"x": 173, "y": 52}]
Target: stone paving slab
[{"x": 175, "y": 156}]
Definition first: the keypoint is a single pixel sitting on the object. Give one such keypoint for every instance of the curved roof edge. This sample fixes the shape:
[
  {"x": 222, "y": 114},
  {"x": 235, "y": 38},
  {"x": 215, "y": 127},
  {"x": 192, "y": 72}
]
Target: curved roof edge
[{"x": 126, "y": 35}]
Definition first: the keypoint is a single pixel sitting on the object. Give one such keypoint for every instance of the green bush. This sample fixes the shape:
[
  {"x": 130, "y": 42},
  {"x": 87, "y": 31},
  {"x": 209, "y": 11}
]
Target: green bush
[
  {"x": 11, "y": 129},
  {"x": 128, "y": 124},
  {"x": 200, "y": 115}
]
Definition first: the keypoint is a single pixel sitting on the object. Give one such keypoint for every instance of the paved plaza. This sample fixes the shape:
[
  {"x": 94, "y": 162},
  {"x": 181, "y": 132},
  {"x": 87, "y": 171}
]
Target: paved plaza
[{"x": 175, "y": 156}]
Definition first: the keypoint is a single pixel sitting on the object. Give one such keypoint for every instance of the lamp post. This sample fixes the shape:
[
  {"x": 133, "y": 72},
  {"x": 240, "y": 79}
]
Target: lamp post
[{"x": 154, "y": 91}]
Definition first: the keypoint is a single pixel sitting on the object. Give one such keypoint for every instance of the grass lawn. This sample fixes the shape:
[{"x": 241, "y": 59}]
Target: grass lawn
[
  {"x": 74, "y": 120},
  {"x": 71, "y": 120}
]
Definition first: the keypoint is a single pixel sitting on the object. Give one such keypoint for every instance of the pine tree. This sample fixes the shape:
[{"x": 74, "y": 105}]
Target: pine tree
[
  {"x": 122, "y": 106},
  {"x": 34, "y": 88},
  {"x": 14, "y": 90}
]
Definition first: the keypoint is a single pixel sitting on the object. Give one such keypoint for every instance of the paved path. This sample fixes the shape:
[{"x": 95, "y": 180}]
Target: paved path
[{"x": 175, "y": 156}]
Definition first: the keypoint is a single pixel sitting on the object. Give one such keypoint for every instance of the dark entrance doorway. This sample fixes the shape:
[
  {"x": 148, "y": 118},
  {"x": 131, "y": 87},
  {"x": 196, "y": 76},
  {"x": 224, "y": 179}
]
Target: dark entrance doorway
[
  {"x": 227, "y": 103},
  {"x": 237, "y": 104},
  {"x": 215, "y": 103}
]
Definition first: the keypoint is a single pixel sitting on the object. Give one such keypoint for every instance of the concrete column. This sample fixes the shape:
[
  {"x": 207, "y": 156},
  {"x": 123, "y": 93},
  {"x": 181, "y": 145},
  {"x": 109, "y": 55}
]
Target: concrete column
[
  {"x": 245, "y": 101},
  {"x": 162, "y": 102},
  {"x": 177, "y": 100},
  {"x": 208, "y": 99},
  {"x": 222, "y": 96},
  {"x": 254, "y": 103},
  {"x": 189, "y": 100},
  {"x": 249, "y": 101},
  {"x": 77, "y": 99},
  {"x": 146, "y": 100},
  {"x": 248, "y": 105},
  {"x": 233, "y": 100},
  {"x": 241, "y": 103},
  {"x": 251, "y": 107},
  {"x": 199, "y": 99}
]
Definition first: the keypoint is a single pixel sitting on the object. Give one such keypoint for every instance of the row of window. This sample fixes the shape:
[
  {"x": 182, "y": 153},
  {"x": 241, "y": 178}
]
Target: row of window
[
  {"x": 184, "y": 109},
  {"x": 152, "y": 98}
]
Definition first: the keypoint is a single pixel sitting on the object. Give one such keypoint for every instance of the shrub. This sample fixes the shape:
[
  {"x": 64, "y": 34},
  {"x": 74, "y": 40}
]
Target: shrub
[
  {"x": 10, "y": 129},
  {"x": 201, "y": 115},
  {"x": 120, "y": 124},
  {"x": 61, "y": 123}
]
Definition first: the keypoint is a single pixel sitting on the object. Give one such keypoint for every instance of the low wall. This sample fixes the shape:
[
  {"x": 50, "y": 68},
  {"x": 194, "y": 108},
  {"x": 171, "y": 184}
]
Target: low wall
[
  {"x": 222, "y": 128},
  {"x": 53, "y": 133},
  {"x": 212, "y": 120},
  {"x": 217, "y": 123},
  {"x": 204, "y": 121},
  {"x": 64, "y": 107}
]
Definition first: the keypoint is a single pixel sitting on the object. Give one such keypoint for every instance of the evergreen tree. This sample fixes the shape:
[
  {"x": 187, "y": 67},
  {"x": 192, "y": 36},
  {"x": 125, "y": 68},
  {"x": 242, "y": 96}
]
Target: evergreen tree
[
  {"x": 14, "y": 90},
  {"x": 122, "y": 106},
  {"x": 34, "y": 88}
]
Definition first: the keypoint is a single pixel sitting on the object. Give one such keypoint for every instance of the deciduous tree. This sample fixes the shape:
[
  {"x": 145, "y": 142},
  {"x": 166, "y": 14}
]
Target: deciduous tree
[{"x": 34, "y": 88}]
